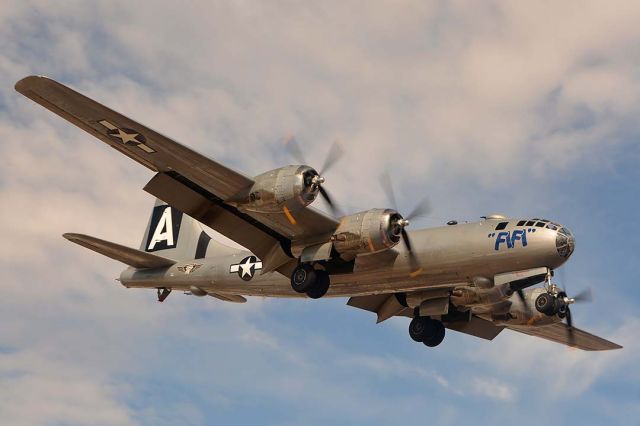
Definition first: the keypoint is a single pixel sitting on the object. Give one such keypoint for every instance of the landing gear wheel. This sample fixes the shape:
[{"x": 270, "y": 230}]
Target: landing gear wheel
[
  {"x": 321, "y": 285},
  {"x": 303, "y": 278},
  {"x": 437, "y": 337},
  {"x": 421, "y": 328},
  {"x": 545, "y": 303}
]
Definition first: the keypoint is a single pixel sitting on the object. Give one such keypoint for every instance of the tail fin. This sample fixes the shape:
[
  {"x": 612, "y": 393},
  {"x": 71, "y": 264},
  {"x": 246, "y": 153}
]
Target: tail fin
[{"x": 175, "y": 235}]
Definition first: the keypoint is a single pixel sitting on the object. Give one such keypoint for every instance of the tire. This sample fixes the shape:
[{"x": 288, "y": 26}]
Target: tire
[
  {"x": 546, "y": 304},
  {"x": 303, "y": 278},
  {"x": 321, "y": 285},
  {"x": 437, "y": 337},
  {"x": 421, "y": 328}
]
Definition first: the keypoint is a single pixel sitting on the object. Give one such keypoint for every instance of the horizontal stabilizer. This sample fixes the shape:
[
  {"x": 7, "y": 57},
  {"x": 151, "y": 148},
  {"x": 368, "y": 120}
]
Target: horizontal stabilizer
[{"x": 132, "y": 257}]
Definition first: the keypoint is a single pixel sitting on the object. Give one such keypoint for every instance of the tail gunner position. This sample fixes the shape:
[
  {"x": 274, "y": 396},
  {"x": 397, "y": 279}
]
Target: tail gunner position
[{"x": 476, "y": 278}]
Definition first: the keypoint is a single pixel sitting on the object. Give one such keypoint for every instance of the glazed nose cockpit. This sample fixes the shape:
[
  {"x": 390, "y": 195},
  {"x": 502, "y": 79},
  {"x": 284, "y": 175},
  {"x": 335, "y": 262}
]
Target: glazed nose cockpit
[{"x": 565, "y": 241}]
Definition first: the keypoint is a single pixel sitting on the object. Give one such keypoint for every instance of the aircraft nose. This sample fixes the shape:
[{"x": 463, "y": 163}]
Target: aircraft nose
[{"x": 565, "y": 242}]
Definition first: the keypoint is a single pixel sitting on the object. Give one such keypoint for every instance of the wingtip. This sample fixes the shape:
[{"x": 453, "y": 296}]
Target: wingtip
[
  {"x": 27, "y": 82},
  {"x": 71, "y": 236}
]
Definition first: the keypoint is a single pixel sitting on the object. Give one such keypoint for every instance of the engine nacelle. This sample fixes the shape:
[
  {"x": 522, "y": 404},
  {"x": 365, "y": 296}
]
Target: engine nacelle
[
  {"x": 293, "y": 187},
  {"x": 368, "y": 232},
  {"x": 519, "y": 314},
  {"x": 502, "y": 305}
]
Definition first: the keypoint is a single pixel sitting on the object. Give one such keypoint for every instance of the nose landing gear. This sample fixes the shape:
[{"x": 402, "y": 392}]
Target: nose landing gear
[
  {"x": 556, "y": 302},
  {"x": 426, "y": 330},
  {"x": 545, "y": 304}
]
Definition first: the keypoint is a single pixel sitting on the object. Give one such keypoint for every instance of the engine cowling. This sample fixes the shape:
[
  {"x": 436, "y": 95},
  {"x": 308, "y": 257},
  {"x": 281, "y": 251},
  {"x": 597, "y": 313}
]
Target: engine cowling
[
  {"x": 293, "y": 187},
  {"x": 368, "y": 232}
]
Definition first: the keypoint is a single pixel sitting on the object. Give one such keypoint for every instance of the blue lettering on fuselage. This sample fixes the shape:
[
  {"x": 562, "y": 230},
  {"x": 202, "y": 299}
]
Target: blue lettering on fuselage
[{"x": 510, "y": 238}]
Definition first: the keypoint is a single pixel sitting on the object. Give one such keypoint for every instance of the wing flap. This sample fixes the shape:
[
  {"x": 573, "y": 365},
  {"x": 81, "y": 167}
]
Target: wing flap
[
  {"x": 477, "y": 327},
  {"x": 384, "y": 306},
  {"x": 130, "y": 256},
  {"x": 557, "y": 332}
]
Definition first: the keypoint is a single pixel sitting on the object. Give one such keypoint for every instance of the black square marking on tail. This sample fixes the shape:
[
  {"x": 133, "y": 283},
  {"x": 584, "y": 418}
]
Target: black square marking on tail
[{"x": 164, "y": 229}]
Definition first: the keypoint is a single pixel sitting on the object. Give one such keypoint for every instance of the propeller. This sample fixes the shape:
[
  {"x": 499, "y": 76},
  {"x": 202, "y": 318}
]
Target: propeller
[
  {"x": 583, "y": 296},
  {"x": 336, "y": 152},
  {"x": 423, "y": 208},
  {"x": 523, "y": 299}
]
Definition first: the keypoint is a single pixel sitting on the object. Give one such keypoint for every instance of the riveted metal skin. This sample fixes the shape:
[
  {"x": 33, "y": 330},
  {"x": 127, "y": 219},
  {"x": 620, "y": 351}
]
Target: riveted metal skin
[
  {"x": 290, "y": 187},
  {"x": 370, "y": 231}
]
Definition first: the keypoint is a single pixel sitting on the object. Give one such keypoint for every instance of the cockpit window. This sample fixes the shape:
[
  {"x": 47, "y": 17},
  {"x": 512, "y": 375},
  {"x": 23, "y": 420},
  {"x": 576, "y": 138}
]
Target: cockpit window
[
  {"x": 531, "y": 222},
  {"x": 522, "y": 222},
  {"x": 552, "y": 226},
  {"x": 540, "y": 224},
  {"x": 565, "y": 243},
  {"x": 501, "y": 225}
]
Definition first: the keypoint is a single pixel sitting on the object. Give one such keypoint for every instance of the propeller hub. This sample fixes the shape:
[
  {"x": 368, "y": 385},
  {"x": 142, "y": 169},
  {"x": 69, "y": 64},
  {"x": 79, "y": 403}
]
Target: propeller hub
[{"x": 403, "y": 222}]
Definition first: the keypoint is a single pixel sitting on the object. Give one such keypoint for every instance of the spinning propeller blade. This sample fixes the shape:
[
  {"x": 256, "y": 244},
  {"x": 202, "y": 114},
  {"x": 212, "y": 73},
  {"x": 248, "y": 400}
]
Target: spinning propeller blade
[
  {"x": 570, "y": 335},
  {"x": 332, "y": 206},
  {"x": 421, "y": 209},
  {"x": 523, "y": 299},
  {"x": 293, "y": 148},
  {"x": 583, "y": 296},
  {"x": 336, "y": 152}
]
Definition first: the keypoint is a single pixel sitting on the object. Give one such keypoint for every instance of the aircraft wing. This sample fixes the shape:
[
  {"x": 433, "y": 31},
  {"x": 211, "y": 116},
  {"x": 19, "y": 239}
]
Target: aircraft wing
[
  {"x": 151, "y": 149},
  {"x": 185, "y": 179},
  {"x": 558, "y": 333}
]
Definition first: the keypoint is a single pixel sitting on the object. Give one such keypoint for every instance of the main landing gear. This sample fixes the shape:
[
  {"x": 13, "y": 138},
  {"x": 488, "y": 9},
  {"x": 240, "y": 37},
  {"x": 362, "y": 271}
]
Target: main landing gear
[
  {"x": 306, "y": 279},
  {"x": 427, "y": 330}
]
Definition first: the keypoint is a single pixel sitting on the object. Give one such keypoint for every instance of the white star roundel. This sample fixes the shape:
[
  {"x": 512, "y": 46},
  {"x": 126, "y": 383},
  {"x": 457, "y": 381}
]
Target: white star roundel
[
  {"x": 127, "y": 136},
  {"x": 247, "y": 267}
]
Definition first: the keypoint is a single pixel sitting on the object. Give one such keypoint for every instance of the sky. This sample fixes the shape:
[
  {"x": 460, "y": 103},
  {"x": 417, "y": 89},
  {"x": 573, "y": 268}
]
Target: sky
[{"x": 523, "y": 108}]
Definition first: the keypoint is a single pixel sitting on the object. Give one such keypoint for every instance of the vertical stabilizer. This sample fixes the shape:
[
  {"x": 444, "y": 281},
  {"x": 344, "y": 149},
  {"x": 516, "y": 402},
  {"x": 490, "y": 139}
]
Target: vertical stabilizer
[{"x": 175, "y": 235}]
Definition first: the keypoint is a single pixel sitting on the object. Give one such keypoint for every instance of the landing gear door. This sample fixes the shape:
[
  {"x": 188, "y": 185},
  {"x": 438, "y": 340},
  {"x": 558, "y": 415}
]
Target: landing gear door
[{"x": 522, "y": 279}]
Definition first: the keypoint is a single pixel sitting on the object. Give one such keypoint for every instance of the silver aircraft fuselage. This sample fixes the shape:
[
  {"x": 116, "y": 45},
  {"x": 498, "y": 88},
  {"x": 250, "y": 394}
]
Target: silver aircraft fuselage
[{"x": 447, "y": 255}]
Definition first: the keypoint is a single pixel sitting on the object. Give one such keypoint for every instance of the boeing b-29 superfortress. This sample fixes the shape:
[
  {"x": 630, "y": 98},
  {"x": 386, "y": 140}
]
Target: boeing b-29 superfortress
[{"x": 475, "y": 278}]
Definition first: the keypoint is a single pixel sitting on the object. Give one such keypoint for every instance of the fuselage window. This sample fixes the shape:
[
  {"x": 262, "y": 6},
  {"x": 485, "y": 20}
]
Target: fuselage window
[
  {"x": 522, "y": 222},
  {"x": 501, "y": 225},
  {"x": 531, "y": 222}
]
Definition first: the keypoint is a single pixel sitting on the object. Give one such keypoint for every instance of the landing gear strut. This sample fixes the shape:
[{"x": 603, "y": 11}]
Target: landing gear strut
[
  {"x": 163, "y": 293},
  {"x": 426, "y": 330},
  {"x": 314, "y": 282}
]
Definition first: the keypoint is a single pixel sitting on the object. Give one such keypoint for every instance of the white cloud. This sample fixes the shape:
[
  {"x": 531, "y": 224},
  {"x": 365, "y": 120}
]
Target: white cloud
[
  {"x": 492, "y": 388},
  {"x": 36, "y": 389}
]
